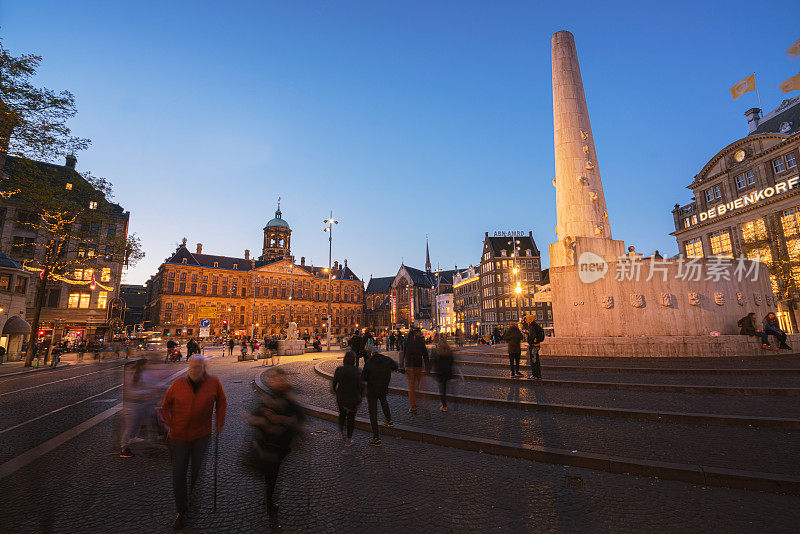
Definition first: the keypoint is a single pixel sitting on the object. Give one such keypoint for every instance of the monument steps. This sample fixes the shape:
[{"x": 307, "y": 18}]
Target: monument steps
[
  {"x": 643, "y": 415},
  {"x": 698, "y": 454},
  {"x": 644, "y": 370}
]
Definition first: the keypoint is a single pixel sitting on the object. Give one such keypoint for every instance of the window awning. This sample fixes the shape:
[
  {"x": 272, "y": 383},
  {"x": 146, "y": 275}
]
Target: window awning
[{"x": 16, "y": 325}]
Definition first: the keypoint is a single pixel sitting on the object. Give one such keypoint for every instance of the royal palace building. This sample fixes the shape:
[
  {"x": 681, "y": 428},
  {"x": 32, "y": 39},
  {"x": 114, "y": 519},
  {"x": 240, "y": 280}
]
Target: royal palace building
[
  {"x": 746, "y": 202},
  {"x": 252, "y": 296}
]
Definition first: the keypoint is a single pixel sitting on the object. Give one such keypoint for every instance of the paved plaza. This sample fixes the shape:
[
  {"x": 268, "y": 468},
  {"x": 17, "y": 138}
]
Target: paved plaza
[{"x": 56, "y": 479}]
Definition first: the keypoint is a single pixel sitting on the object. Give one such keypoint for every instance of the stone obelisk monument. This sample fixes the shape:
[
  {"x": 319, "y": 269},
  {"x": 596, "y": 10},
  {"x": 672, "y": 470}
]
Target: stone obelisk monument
[
  {"x": 598, "y": 293},
  {"x": 582, "y": 218}
]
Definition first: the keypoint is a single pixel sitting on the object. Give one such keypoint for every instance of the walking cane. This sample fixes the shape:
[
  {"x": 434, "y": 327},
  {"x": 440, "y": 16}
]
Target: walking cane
[{"x": 216, "y": 458}]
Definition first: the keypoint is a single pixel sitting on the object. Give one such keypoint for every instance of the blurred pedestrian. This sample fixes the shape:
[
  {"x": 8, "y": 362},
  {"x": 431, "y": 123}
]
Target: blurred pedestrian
[
  {"x": 443, "y": 365},
  {"x": 377, "y": 374},
  {"x": 278, "y": 421},
  {"x": 513, "y": 337},
  {"x": 187, "y": 410},
  {"x": 140, "y": 398},
  {"x": 356, "y": 343},
  {"x": 349, "y": 392},
  {"x": 244, "y": 350},
  {"x": 415, "y": 354}
]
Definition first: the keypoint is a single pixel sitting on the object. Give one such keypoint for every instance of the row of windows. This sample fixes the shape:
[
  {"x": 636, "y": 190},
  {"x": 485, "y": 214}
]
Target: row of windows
[
  {"x": 20, "y": 285},
  {"x": 82, "y": 299},
  {"x": 746, "y": 179}
]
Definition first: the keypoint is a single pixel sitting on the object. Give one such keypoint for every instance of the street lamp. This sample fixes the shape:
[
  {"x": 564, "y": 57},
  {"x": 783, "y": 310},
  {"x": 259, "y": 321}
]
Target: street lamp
[
  {"x": 329, "y": 222},
  {"x": 518, "y": 289}
]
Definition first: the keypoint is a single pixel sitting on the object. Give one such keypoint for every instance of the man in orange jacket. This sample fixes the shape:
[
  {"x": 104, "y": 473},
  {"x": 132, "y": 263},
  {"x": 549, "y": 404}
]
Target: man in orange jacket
[{"x": 187, "y": 409}]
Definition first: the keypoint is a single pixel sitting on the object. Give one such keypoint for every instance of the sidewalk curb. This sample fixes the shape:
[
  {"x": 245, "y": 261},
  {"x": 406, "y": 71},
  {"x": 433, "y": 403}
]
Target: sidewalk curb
[
  {"x": 693, "y": 474},
  {"x": 692, "y": 418}
]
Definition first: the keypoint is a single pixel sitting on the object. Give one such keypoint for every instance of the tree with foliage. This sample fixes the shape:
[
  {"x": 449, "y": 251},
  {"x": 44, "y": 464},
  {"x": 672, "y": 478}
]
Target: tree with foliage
[{"x": 64, "y": 207}]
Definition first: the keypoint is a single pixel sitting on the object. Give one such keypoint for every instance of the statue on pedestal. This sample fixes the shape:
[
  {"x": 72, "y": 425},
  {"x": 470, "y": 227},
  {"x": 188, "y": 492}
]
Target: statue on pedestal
[{"x": 291, "y": 332}]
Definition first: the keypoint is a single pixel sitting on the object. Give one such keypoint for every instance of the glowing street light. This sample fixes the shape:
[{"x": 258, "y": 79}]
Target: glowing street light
[{"x": 329, "y": 222}]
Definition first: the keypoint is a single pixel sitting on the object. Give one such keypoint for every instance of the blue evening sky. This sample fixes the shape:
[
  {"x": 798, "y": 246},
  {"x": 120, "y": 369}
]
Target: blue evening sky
[{"x": 404, "y": 118}]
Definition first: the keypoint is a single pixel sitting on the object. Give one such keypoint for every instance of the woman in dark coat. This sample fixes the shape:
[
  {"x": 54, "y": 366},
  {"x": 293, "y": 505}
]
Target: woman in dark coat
[
  {"x": 349, "y": 391},
  {"x": 443, "y": 365}
]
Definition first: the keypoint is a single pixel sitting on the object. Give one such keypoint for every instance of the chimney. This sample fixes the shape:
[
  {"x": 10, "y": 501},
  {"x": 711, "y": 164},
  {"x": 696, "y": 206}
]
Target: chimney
[
  {"x": 345, "y": 263},
  {"x": 199, "y": 248},
  {"x": 486, "y": 234},
  {"x": 247, "y": 253},
  {"x": 753, "y": 117},
  {"x": 71, "y": 161},
  {"x": 336, "y": 265},
  {"x": 302, "y": 261}
]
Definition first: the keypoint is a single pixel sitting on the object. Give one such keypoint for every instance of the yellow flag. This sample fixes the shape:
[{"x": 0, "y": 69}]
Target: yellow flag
[
  {"x": 744, "y": 86},
  {"x": 794, "y": 51},
  {"x": 791, "y": 84}
]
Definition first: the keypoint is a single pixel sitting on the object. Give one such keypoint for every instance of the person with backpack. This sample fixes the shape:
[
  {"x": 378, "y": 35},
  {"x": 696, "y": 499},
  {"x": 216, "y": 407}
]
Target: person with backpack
[
  {"x": 377, "y": 374},
  {"x": 747, "y": 327},
  {"x": 356, "y": 343},
  {"x": 349, "y": 391},
  {"x": 535, "y": 338}
]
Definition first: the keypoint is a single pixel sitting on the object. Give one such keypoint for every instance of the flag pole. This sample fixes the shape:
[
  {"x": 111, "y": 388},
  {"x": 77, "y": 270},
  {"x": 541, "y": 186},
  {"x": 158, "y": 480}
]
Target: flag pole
[{"x": 757, "y": 93}]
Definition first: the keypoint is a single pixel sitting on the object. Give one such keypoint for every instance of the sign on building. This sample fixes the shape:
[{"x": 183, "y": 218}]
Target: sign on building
[
  {"x": 206, "y": 312},
  {"x": 205, "y": 328},
  {"x": 510, "y": 233}
]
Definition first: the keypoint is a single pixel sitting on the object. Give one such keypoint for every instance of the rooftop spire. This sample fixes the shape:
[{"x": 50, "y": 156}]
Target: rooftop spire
[{"x": 427, "y": 256}]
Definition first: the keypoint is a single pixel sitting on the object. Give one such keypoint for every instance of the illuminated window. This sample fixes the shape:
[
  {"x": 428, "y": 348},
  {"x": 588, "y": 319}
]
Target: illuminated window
[
  {"x": 69, "y": 186},
  {"x": 102, "y": 300},
  {"x": 721, "y": 244},
  {"x": 694, "y": 248},
  {"x": 754, "y": 230},
  {"x": 74, "y": 299},
  {"x": 106, "y": 274},
  {"x": 762, "y": 254},
  {"x": 92, "y": 205},
  {"x": 790, "y": 221},
  {"x": 778, "y": 166}
]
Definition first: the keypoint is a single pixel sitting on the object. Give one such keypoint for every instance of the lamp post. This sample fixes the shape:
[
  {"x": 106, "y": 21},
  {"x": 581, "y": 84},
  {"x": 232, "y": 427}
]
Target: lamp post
[
  {"x": 291, "y": 289},
  {"x": 329, "y": 222},
  {"x": 518, "y": 288}
]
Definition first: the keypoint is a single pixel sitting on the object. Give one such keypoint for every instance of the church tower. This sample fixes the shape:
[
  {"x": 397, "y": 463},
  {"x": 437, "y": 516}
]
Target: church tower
[
  {"x": 427, "y": 256},
  {"x": 277, "y": 238}
]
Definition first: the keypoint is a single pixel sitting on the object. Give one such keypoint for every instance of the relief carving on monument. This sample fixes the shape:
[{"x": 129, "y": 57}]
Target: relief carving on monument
[
  {"x": 578, "y": 303},
  {"x": 756, "y": 299},
  {"x": 719, "y": 298},
  {"x": 593, "y": 196},
  {"x": 665, "y": 299},
  {"x": 768, "y": 300},
  {"x": 569, "y": 248},
  {"x": 598, "y": 229},
  {"x": 581, "y": 180},
  {"x": 589, "y": 165},
  {"x": 694, "y": 298},
  {"x": 637, "y": 300},
  {"x": 584, "y": 135},
  {"x": 607, "y": 302},
  {"x": 741, "y": 298},
  {"x": 586, "y": 149}
]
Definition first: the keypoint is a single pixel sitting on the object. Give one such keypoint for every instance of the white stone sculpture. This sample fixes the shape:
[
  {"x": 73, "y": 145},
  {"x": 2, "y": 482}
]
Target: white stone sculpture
[
  {"x": 607, "y": 302},
  {"x": 694, "y": 298},
  {"x": 569, "y": 248},
  {"x": 291, "y": 332},
  {"x": 719, "y": 298},
  {"x": 637, "y": 300}
]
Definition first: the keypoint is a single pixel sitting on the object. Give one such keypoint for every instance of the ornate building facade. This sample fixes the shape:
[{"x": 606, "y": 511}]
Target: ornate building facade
[
  {"x": 248, "y": 296},
  {"x": 378, "y": 303},
  {"x": 746, "y": 201},
  {"x": 509, "y": 263}
]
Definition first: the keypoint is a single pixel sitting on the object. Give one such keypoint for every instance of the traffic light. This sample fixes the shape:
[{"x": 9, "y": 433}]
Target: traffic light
[{"x": 224, "y": 325}]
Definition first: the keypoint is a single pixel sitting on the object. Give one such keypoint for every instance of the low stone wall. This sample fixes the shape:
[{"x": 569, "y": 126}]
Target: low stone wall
[
  {"x": 664, "y": 346},
  {"x": 291, "y": 347}
]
